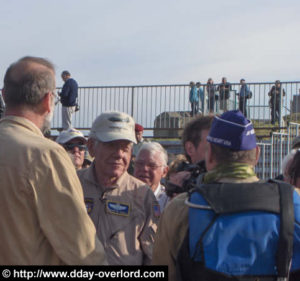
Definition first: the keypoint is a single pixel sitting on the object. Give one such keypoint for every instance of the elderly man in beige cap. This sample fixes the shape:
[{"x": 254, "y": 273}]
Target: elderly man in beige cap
[{"x": 123, "y": 209}]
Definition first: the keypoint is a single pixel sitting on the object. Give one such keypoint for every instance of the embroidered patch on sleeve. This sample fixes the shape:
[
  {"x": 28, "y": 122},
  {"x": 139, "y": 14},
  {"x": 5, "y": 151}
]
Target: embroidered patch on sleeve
[
  {"x": 89, "y": 204},
  {"x": 117, "y": 208},
  {"x": 156, "y": 210}
]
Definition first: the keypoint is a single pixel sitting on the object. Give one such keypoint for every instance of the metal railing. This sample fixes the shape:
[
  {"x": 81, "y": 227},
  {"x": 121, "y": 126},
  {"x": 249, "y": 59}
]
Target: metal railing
[{"x": 167, "y": 107}]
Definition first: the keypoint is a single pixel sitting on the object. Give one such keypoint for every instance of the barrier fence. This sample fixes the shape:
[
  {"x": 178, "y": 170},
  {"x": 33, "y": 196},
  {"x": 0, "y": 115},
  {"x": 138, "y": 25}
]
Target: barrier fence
[{"x": 167, "y": 107}]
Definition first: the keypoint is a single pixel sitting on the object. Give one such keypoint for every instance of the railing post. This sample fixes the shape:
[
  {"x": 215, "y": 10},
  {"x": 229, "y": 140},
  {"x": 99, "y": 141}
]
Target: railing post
[
  {"x": 132, "y": 101},
  {"x": 280, "y": 107},
  {"x": 271, "y": 157}
]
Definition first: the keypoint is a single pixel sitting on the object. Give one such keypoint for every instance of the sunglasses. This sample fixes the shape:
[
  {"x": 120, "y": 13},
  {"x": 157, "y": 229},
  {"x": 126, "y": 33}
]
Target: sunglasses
[{"x": 71, "y": 146}]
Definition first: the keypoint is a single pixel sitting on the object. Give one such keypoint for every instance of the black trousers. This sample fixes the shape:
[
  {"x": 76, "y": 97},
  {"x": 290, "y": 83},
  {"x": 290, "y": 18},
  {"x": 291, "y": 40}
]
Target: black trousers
[{"x": 243, "y": 106}]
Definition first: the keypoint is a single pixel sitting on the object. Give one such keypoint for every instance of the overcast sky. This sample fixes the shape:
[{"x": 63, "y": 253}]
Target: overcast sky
[{"x": 139, "y": 42}]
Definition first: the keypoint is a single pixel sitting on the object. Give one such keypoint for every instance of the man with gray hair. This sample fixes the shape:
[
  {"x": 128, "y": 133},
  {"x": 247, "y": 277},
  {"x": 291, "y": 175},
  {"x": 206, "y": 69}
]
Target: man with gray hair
[
  {"x": 43, "y": 219},
  {"x": 150, "y": 166},
  {"x": 123, "y": 209}
]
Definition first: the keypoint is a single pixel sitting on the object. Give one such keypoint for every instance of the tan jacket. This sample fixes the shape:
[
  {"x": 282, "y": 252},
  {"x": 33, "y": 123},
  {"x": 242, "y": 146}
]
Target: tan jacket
[
  {"x": 43, "y": 217},
  {"x": 172, "y": 229},
  {"x": 125, "y": 217}
]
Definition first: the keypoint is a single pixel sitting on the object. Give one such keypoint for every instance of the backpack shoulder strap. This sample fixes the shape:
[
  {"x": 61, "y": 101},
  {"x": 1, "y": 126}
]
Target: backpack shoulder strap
[
  {"x": 225, "y": 198},
  {"x": 286, "y": 235}
]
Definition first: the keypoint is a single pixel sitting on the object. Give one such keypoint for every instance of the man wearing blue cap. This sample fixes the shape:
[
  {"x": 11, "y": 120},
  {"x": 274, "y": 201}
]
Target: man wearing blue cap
[{"x": 231, "y": 225}]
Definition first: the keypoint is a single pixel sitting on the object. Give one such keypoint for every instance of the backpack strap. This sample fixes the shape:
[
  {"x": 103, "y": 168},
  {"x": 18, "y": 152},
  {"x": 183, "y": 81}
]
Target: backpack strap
[
  {"x": 286, "y": 235},
  {"x": 226, "y": 198}
]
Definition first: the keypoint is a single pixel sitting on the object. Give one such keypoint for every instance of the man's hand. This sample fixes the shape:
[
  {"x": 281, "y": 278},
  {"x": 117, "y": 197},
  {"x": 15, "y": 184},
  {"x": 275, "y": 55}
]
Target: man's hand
[
  {"x": 180, "y": 177},
  {"x": 175, "y": 183}
]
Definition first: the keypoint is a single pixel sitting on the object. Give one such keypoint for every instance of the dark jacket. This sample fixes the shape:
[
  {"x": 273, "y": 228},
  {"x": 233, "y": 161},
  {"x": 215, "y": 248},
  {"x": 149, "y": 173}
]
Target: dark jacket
[
  {"x": 210, "y": 90},
  {"x": 275, "y": 94},
  {"x": 224, "y": 90},
  {"x": 69, "y": 93}
]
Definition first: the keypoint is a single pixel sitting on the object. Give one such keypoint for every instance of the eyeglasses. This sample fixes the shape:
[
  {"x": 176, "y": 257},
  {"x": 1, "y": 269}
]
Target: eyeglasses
[
  {"x": 149, "y": 165},
  {"x": 71, "y": 146}
]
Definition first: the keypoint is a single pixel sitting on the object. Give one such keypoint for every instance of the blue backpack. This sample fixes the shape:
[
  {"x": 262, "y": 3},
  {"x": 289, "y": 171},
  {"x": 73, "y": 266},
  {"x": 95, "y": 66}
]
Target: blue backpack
[{"x": 241, "y": 231}]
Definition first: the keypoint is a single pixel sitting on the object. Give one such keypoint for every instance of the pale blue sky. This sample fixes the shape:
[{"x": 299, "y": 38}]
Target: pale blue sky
[{"x": 125, "y": 42}]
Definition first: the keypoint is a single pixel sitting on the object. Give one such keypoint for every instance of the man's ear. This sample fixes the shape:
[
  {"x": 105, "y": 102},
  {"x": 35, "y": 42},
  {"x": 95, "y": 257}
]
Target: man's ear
[
  {"x": 45, "y": 105},
  {"x": 91, "y": 146},
  {"x": 210, "y": 162},
  {"x": 189, "y": 148},
  {"x": 165, "y": 171}
]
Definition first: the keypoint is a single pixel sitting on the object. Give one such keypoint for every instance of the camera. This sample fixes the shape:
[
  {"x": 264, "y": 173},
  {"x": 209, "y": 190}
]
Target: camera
[
  {"x": 194, "y": 169},
  {"x": 77, "y": 107}
]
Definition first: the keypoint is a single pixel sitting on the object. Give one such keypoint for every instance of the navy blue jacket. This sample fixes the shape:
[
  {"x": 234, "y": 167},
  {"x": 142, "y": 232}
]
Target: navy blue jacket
[{"x": 69, "y": 93}]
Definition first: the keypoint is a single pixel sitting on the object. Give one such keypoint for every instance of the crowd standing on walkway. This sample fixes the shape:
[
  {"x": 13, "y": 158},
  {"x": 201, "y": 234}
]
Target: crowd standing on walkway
[
  {"x": 212, "y": 218},
  {"x": 216, "y": 98}
]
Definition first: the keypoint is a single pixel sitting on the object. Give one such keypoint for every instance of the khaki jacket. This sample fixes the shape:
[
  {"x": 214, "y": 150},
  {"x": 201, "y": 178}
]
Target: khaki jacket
[
  {"x": 125, "y": 216},
  {"x": 43, "y": 217},
  {"x": 172, "y": 229}
]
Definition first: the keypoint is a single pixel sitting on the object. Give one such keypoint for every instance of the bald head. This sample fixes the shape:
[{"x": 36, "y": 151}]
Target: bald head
[{"x": 27, "y": 81}]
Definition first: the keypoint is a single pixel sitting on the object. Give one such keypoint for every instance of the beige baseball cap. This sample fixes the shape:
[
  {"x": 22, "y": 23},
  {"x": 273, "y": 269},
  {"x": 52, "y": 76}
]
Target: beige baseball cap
[
  {"x": 112, "y": 126},
  {"x": 70, "y": 134}
]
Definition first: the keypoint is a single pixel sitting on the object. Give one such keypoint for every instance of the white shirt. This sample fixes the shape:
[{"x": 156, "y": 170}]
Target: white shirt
[{"x": 161, "y": 196}]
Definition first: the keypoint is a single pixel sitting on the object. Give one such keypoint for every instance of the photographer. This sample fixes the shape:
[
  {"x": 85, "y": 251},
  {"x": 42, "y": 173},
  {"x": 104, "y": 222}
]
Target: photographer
[{"x": 193, "y": 141}]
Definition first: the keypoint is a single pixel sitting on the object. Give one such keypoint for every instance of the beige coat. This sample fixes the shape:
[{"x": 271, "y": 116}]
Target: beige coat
[
  {"x": 43, "y": 217},
  {"x": 125, "y": 216}
]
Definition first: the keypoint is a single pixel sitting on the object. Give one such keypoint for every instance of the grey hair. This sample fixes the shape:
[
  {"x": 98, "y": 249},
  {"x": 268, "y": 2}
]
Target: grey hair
[
  {"x": 153, "y": 148},
  {"x": 27, "y": 81}
]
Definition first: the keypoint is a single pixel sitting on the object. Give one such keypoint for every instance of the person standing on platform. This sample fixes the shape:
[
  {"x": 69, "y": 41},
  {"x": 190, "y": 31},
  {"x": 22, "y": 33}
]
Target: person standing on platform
[
  {"x": 276, "y": 93},
  {"x": 224, "y": 90},
  {"x": 194, "y": 99},
  {"x": 211, "y": 93},
  {"x": 68, "y": 99},
  {"x": 244, "y": 95},
  {"x": 200, "y": 95}
]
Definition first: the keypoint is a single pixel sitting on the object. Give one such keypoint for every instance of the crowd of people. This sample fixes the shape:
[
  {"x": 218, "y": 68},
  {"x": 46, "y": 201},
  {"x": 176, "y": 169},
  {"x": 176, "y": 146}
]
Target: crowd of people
[
  {"x": 217, "y": 96},
  {"x": 205, "y": 215}
]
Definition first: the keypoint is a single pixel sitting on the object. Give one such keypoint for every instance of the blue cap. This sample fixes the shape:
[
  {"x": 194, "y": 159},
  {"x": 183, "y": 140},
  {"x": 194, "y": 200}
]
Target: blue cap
[{"x": 232, "y": 130}]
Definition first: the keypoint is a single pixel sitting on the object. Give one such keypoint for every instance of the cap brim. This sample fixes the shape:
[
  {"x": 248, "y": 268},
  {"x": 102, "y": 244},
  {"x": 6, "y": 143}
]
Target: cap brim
[
  {"x": 67, "y": 139},
  {"x": 107, "y": 137}
]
